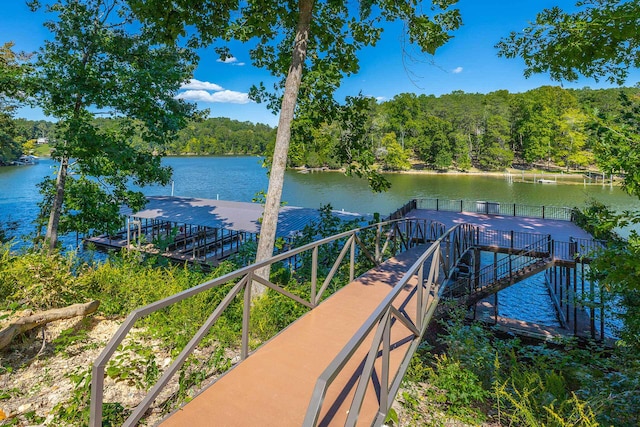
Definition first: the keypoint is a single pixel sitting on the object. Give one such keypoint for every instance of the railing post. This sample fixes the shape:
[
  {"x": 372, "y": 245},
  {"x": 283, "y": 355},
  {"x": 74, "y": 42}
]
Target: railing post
[
  {"x": 246, "y": 312},
  {"x": 447, "y": 259},
  {"x": 352, "y": 262},
  {"x": 575, "y": 300},
  {"x": 437, "y": 204},
  {"x": 420, "y": 297},
  {"x": 461, "y": 208},
  {"x": 510, "y": 270},
  {"x": 97, "y": 395},
  {"x": 384, "y": 377},
  {"x": 314, "y": 275},
  {"x": 378, "y": 233},
  {"x": 542, "y": 211}
]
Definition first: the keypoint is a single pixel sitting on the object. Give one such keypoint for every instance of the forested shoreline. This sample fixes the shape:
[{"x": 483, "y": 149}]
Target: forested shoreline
[{"x": 548, "y": 126}]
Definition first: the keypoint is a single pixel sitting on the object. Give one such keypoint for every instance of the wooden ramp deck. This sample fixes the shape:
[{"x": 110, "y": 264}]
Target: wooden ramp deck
[{"x": 273, "y": 386}]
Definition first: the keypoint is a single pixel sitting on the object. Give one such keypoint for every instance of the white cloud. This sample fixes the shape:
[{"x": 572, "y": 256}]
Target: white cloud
[
  {"x": 198, "y": 85},
  {"x": 457, "y": 70},
  {"x": 231, "y": 60},
  {"x": 381, "y": 98},
  {"x": 222, "y": 96}
]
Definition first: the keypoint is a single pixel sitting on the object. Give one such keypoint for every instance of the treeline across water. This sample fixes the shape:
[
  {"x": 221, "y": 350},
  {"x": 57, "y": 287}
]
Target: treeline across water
[
  {"x": 212, "y": 136},
  {"x": 548, "y": 126}
]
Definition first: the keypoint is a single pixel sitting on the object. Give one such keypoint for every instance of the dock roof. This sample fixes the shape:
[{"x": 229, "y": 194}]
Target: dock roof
[{"x": 237, "y": 216}]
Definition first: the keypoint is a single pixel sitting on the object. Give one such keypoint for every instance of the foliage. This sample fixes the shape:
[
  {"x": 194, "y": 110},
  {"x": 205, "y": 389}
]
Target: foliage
[
  {"x": 75, "y": 411},
  {"x": 619, "y": 132},
  {"x": 550, "y": 126},
  {"x": 309, "y": 47},
  {"x": 395, "y": 157},
  {"x": 37, "y": 280},
  {"x": 600, "y": 221},
  {"x": 615, "y": 267},
  {"x": 535, "y": 385},
  {"x": 272, "y": 312},
  {"x": 6, "y": 228},
  {"x": 12, "y": 70},
  {"x": 134, "y": 364},
  {"x": 461, "y": 387},
  {"x": 99, "y": 62},
  {"x": 65, "y": 342},
  {"x": 598, "y": 40},
  {"x": 216, "y": 136}
]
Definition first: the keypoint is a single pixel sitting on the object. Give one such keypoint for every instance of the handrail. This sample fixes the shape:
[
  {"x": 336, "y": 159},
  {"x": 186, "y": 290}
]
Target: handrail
[
  {"x": 387, "y": 239},
  {"x": 442, "y": 254},
  {"x": 496, "y": 208},
  {"x": 504, "y": 268},
  {"x": 246, "y": 276}
]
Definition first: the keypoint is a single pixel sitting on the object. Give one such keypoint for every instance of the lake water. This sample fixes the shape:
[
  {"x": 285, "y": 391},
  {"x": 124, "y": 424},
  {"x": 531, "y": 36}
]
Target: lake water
[{"x": 240, "y": 178}]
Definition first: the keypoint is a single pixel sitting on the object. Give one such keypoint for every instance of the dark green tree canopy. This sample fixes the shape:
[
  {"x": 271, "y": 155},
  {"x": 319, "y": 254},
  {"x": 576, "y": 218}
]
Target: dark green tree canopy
[
  {"x": 599, "y": 40},
  {"x": 100, "y": 62},
  {"x": 12, "y": 71}
]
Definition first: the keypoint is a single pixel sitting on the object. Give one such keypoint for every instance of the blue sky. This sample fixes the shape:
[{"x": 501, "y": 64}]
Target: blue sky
[{"x": 469, "y": 62}]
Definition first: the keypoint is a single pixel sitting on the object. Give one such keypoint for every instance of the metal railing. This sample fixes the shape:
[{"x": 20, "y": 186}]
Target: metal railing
[
  {"x": 497, "y": 208},
  {"x": 507, "y": 268},
  {"x": 436, "y": 262},
  {"x": 516, "y": 240},
  {"x": 387, "y": 239},
  {"x": 374, "y": 244}
]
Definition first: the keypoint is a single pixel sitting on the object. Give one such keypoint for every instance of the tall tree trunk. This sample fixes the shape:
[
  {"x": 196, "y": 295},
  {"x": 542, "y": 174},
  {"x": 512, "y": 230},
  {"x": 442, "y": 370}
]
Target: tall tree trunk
[
  {"x": 283, "y": 137},
  {"x": 51, "y": 237}
]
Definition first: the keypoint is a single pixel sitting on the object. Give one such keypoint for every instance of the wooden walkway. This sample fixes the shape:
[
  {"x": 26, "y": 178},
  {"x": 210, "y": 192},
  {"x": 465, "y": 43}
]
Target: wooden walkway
[{"x": 273, "y": 386}]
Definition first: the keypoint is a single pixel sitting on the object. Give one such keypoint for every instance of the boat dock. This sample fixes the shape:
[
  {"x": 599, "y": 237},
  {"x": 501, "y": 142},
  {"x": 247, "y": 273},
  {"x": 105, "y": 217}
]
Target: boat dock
[
  {"x": 508, "y": 229},
  {"x": 201, "y": 231}
]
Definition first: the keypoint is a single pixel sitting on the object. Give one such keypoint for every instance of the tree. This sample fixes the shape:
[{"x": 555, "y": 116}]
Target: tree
[
  {"x": 619, "y": 137},
  {"x": 98, "y": 62},
  {"x": 396, "y": 158},
  {"x": 11, "y": 76},
  {"x": 320, "y": 37},
  {"x": 600, "y": 39},
  {"x": 540, "y": 122},
  {"x": 572, "y": 138}
]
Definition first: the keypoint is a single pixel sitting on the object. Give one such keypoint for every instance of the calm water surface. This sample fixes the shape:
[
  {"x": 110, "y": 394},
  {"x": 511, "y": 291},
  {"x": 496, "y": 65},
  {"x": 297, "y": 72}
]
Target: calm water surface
[{"x": 240, "y": 178}]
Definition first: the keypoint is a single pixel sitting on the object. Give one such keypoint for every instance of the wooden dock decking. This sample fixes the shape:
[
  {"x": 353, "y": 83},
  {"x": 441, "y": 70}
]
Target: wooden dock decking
[
  {"x": 558, "y": 229},
  {"x": 273, "y": 386}
]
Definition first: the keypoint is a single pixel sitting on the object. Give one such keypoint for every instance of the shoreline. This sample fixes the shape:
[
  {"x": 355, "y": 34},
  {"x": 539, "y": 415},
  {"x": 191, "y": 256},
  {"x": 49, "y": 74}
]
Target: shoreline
[{"x": 511, "y": 174}]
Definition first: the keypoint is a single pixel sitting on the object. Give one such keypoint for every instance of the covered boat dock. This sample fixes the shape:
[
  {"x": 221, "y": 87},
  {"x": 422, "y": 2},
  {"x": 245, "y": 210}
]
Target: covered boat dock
[{"x": 202, "y": 231}]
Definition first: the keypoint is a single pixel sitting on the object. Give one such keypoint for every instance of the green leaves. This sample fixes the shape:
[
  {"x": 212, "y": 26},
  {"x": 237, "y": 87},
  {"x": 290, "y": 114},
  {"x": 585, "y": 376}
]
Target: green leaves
[
  {"x": 599, "y": 40},
  {"x": 98, "y": 62}
]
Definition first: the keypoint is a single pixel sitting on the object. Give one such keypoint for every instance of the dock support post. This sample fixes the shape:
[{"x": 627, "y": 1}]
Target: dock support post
[
  {"x": 575, "y": 301},
  {"x": 476, "y": 268},
  {"x": 567, "y": 282}
]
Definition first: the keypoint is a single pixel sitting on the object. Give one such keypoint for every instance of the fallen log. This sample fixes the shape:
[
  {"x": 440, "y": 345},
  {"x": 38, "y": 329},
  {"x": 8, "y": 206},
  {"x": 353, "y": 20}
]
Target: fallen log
[{"x": 27, "y": 323}]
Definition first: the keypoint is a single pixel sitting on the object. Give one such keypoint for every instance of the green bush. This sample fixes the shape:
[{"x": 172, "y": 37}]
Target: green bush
[
  {"x": 39, "y": 280},
  {"x": 273, "y": 312},
  {"x": 462, "y": 389}
]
